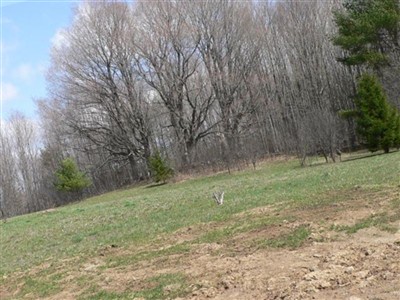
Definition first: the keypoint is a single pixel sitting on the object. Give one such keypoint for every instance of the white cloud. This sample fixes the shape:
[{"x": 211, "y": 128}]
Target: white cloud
[
  {"x": 24, "y": 72},
  {"x": 42, "y": 67},
  {"x": 59, "y": 39},
  {"x": 4, "y": 4},
  {"x": 28, "y": 72},
  {"x": 7, "y": 46},
  {"x": 9, "y": 92}
]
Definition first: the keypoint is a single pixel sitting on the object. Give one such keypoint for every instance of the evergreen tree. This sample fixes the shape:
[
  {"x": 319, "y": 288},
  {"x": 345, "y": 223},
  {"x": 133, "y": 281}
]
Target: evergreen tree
[
  {"x": 376, "y": 119},
  {"x": 69, "y": 178},
  {"x": 160, "y": 171},
  {"x": 368, "y": 30},
  {"x": 396, "y": 138}
]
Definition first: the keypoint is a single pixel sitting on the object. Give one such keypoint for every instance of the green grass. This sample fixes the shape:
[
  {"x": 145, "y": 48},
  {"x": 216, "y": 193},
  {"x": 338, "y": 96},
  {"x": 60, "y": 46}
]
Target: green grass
[
  {"x": 160, "y": 282},
  {"x": 145, "y": 217},
  {"x": 240, "y": 225},
  {"x": 165, "y": 286},
  {"x": 381, "y": 221},
  {"x": 291, "y": 240},
  {"x": 122, "y": 260},
  {"x": 42, "y": 288},
  {"x": 396, "y": 203}
]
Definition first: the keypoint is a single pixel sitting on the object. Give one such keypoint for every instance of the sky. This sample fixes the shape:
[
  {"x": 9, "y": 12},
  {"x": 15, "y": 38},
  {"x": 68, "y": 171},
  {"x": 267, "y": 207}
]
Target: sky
[{"x": 28, "y": 30}]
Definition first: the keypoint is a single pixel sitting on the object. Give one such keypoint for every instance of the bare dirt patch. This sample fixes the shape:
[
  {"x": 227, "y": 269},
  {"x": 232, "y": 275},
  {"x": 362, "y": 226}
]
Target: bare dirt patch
[
  {"x": 365, "y": 266},
  {"x": 328, "y": 265}
]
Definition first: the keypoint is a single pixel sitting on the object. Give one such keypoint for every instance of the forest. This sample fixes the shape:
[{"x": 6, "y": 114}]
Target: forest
[{"x": 205, "y": 86}]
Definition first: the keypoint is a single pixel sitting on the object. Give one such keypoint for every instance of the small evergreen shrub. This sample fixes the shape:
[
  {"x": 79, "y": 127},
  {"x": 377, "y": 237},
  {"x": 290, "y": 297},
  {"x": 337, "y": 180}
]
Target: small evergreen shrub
[
  {"x": 160, "y": 171},
  {"x": 69, "y": 178},
  {"x": 376, "y": 119},
  {"x": 396, "y": 126}
]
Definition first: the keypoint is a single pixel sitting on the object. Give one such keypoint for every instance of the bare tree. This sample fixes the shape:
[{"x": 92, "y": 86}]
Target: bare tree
[
  {"x": 19, "y": 162},
  {"x": 305, "y": 86},
  {"x": 93, "y": 76},
  {"x": 206, "y": 82},
  {"x": 319, "y": 135},
  {"x": 11, "y": 202},
  {"x": 229, "y": 50},
  {"x": 168, "y": 60}
]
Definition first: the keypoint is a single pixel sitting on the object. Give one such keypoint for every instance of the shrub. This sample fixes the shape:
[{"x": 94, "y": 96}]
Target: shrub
[
  {"x": 69, "y": 178},
  {"x": 160, "y": 171},
  {"x": 376, "y": 119},
  {"x": 396, "y": 139}
]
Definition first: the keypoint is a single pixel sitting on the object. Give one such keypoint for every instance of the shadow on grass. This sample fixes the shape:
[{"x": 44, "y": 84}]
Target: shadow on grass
[
  {"x": 349, "y": 159},
  {"x": 368, "y": 155},
  {"x": 154, "y": 185}
]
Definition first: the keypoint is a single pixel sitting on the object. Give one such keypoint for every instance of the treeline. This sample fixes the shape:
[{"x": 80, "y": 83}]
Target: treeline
[{"x": 208, "y": 84}]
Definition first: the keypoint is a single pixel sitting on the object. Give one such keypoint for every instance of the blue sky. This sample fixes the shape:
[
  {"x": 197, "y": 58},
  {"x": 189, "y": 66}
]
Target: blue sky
[{"x": 28, "y": 30}]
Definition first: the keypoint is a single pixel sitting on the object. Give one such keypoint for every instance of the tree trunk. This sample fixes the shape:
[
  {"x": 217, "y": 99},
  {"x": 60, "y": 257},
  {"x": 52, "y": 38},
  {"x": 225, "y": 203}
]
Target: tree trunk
[{"x": 133, "y": 168}]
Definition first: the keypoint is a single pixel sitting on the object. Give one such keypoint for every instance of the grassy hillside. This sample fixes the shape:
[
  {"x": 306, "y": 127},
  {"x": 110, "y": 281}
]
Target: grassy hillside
[{"x": 136, "y": 221}]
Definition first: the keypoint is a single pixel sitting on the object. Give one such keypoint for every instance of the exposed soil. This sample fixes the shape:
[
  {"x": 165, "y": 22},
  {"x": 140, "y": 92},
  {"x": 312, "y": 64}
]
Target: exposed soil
[
  {"x": 366, "y": 266},
  {"x": 329, "y": 265}
]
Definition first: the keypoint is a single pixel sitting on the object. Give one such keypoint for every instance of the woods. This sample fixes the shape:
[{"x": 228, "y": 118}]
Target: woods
[{"x": 208, "y": 85}]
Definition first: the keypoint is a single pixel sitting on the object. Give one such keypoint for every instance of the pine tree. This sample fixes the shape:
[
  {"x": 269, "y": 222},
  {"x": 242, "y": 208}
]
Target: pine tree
[
  {"x": 69, "y": 178},
  {"x": 367, "y": 31},
  {"x": 376, "y": 119},
  {"x": 396, "y": 138},
  {"x": 160, "y": 171}
]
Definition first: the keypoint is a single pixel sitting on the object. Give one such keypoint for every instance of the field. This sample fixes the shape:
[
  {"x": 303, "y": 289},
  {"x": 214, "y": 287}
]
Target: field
[{"x": 328, "y": 231}]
